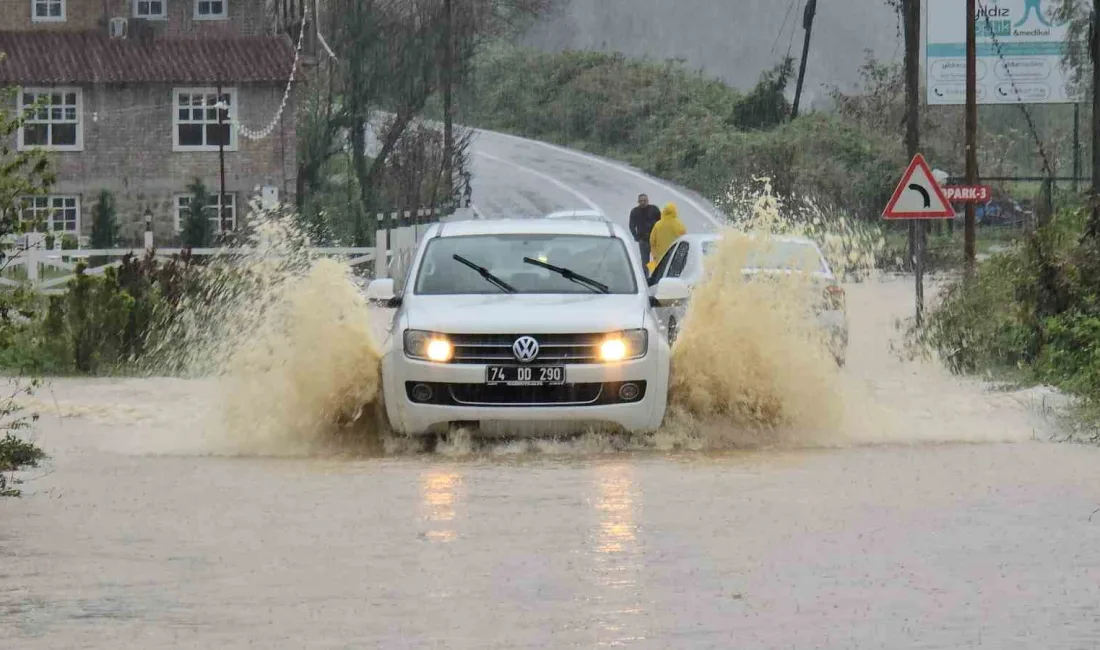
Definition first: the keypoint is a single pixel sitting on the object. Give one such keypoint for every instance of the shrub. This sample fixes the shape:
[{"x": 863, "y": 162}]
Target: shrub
[
  {"x": 197, "y": 231},
  {"x": 104, "y": 323},
  {"x": 979, "y": 325},
  {"x": 1033, "y": 310},
  {"x": 16, "y": 453},
  {"x": 104, "y": 224},
  {"x": 1070, "y": 357}
]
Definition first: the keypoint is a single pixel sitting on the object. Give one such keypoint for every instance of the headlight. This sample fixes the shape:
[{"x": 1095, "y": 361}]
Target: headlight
[
  {"x": 622, "y": 346},
  {"x": 428, "y": 346}
]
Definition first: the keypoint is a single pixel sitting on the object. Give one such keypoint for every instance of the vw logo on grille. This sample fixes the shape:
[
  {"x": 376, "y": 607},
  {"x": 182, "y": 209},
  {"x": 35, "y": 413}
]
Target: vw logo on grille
[{"x": 525, "y": 349}]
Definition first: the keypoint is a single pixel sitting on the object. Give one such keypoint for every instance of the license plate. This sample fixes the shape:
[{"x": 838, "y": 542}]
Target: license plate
[{"x": 525, "y": 375}]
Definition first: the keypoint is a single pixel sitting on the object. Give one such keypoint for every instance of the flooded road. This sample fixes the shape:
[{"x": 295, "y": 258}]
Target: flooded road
[{"x": 945, "y": 521}]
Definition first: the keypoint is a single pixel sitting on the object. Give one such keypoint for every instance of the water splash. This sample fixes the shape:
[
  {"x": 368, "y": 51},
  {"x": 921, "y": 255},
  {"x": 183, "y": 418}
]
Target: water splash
[
  {"x": 751, "y": 366},
  {"x": 288, "y": 338}
]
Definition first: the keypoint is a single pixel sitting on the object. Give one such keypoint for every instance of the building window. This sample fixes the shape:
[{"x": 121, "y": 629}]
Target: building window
[
  {"x": 151, "y": 9},
  {"x": 229, "y": 211},
  {"x": 47, "y": 10},
  {"x": 51, "y": 119},
  {"x": 52, "y": 213},
  {"x": 211, "y": 9},
  {"x": 196, "y": 116}
]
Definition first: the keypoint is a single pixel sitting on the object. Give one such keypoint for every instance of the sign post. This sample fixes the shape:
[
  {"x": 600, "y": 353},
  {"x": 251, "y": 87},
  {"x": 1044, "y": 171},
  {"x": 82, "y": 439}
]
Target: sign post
[{"x": 918, "y": 197}]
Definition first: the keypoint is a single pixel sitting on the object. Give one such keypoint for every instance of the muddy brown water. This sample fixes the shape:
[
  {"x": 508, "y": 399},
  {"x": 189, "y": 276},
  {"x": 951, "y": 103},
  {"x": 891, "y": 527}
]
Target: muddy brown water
[{"x": 947, "y": 520}]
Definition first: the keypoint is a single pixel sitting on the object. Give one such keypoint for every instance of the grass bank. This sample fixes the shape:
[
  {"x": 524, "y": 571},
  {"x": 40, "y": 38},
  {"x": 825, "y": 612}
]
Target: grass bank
[{"x": 1030, "y": 314}]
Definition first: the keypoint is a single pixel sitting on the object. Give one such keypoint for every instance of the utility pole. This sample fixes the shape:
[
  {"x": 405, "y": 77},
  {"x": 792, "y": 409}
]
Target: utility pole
[
  {"x": 807, "y": 24},
  {"x": 448, "y": 96},
  {"x": 1094, "y": 54},
  {"x": 1076, "y": 146},
  {"x": 969, "y": 252},
  {"x": 911, "y": 18}
]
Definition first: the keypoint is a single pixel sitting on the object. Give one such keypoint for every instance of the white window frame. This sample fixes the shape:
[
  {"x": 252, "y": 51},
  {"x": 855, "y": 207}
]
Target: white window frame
[
  {"x": 183, "y": 201},
  {"x": 35, "y": 18},
  {"x": 49, "y": 90},
  {"x": 163, "y": 15},
  {"x": 50, "y": 199},
  {"x": 234, "y": 100},
  {"x": 224, "y": 15}
]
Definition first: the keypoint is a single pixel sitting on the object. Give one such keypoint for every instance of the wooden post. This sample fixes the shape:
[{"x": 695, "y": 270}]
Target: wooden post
[
  {"x": 1076, "y": 146},
  {"x": 807, "y": 24},
  {"x": 911, "y": 10},
  {"x": 448, "y": 96},
  {"x": 1094, "y": 54},
  {"x": 969, "y": 234}
]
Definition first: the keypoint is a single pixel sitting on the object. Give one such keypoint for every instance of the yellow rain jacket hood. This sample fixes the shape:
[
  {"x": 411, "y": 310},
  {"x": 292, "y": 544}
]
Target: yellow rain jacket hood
[{"x": 666, "y": 231}]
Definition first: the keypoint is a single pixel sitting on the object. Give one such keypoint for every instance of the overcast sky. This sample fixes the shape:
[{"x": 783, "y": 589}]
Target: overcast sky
[{"x": 732, "y": 39}]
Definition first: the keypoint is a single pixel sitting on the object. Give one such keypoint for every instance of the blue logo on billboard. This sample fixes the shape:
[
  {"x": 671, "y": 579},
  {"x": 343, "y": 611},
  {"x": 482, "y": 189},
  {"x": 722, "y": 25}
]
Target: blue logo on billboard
[{"x": 1030, "y": 6}]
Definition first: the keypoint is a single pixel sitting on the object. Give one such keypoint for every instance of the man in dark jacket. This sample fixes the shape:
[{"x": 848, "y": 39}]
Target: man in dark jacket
[{"x": 642, "y": 220}]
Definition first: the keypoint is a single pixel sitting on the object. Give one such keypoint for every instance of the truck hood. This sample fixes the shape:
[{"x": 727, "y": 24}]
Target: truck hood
[{"x": 523, "y": 314}]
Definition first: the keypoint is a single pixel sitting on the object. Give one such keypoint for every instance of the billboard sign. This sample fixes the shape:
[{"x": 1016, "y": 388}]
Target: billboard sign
[{"x": 1023, "y": 32}]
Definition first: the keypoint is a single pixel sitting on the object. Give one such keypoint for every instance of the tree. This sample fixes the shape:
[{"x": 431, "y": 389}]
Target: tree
[
  {"x": 197, "y": 230},
  {"x": 22, "y": 173},
  {"x": 766, "y": 106},
  {"x": 1078, "y": 15},
  {"x": 391, "y": 60},
  {"x": 104, "y": 221},
  {"x": 1083, "y": 57}
]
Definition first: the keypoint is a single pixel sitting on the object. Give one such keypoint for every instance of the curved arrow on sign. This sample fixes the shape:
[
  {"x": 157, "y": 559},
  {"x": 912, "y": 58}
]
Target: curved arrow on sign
[{"x": 924, "y": 194}]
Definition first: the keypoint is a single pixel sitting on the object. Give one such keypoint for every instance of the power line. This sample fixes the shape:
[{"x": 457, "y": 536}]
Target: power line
[
  {"x": 794, "y": 30},
  {"x": 783, "y": 27}
]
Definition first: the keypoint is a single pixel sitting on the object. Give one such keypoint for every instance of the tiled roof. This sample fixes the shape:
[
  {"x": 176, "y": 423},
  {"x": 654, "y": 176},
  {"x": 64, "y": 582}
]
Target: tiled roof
[{"x": 94, "y": 57}]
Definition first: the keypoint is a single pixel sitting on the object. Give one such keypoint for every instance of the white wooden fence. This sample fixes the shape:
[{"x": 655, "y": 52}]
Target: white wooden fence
[{"x": 391, "y": 254}]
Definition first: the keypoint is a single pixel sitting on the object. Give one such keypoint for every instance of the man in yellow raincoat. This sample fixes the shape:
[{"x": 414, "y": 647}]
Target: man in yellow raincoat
[{"x": 667, "y": 230}]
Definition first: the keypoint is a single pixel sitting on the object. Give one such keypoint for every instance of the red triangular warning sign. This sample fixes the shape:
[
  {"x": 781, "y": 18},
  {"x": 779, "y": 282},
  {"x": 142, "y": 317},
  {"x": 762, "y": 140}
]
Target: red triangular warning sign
[{"x": 918, "y": 195}]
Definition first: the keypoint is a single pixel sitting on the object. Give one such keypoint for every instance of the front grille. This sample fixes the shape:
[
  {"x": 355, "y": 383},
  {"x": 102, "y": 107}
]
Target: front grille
[
  {"x": 565, "y": 395},
  {"x": 497, "y": 348},
  {"x": 581, "y": 394}
]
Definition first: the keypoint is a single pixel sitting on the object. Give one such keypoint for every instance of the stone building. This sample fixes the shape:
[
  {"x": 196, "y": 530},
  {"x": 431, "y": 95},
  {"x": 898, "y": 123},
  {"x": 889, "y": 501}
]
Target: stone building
[{"x": 125, "y": 95}]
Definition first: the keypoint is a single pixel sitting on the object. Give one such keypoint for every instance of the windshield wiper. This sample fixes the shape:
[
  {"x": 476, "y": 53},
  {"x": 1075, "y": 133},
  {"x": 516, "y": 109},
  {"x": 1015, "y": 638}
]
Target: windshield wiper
[
  {"x": 484, "y": 272},
  {"x": 572, "y": 276}
]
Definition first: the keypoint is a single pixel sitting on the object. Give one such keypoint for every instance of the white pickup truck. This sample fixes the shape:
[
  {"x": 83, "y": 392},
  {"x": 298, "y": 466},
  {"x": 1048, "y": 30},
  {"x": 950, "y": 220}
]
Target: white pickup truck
[{"x": 525, "y": 327}]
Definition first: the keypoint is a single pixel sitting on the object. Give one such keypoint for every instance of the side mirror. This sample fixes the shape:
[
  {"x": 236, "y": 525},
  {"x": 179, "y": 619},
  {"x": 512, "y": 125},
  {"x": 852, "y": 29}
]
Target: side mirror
[
  {"x": 381, "y": 292},
  {"x": 670, "y": 291}
]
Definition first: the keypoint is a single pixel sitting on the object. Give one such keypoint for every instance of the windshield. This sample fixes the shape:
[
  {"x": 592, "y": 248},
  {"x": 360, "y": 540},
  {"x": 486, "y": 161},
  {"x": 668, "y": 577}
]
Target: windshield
[
  {"x": 603, "y": 259},
  {"x": 785, "y": 255}
]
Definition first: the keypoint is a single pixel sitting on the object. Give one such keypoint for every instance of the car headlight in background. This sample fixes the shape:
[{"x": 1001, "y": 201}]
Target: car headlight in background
[
  {"x": 623, "y": 346},
  {"x": 428, "y": 346}
]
